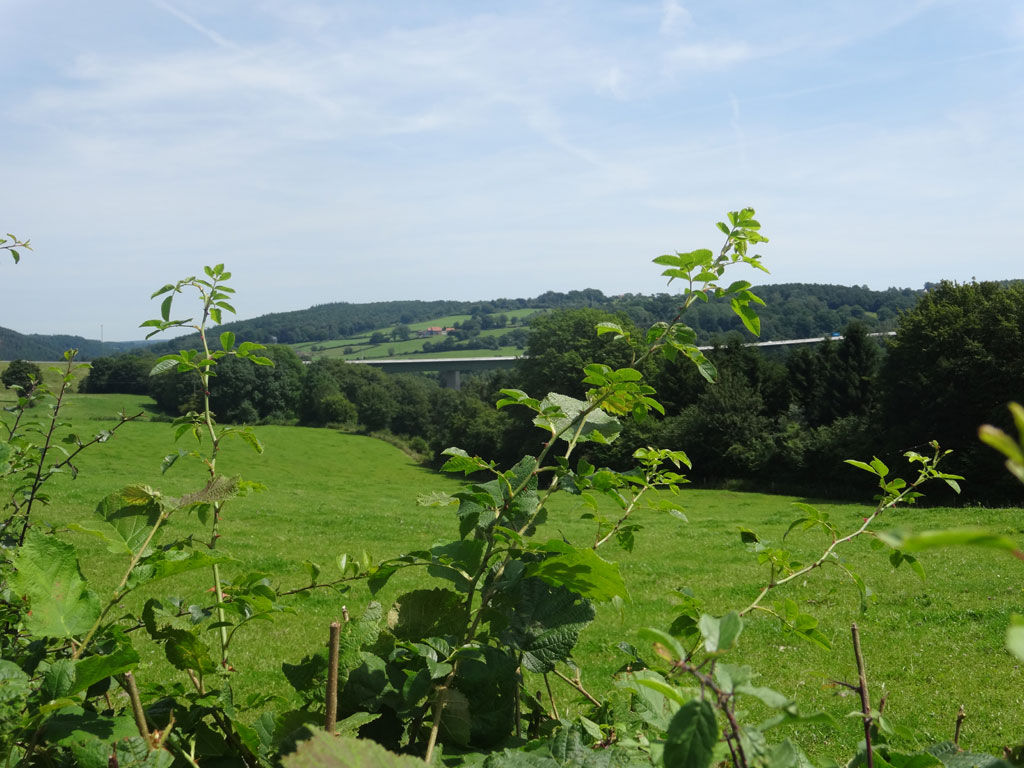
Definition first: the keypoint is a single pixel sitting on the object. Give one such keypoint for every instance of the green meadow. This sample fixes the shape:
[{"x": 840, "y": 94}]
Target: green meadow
[
  {"x": 930, "y": 645},
  {"x": 361, "y": 348}
]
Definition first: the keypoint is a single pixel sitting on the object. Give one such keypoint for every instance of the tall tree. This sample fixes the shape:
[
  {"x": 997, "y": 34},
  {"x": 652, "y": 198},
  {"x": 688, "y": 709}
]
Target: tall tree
[{"x": 957, "y": 359}]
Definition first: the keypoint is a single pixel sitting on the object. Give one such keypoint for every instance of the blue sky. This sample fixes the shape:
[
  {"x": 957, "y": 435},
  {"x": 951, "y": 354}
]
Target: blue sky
[{"x": 356, "y": 151}]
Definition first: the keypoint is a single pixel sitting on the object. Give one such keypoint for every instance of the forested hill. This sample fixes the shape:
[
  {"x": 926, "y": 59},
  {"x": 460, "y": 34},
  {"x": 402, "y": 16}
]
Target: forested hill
[
  {"x": 794, "y": 310},
  {"x": 34, "y": 346}
]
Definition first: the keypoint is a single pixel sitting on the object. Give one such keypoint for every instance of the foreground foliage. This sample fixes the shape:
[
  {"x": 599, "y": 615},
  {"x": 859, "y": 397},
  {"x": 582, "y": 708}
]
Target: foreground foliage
[{"x": 448, "y": 672}]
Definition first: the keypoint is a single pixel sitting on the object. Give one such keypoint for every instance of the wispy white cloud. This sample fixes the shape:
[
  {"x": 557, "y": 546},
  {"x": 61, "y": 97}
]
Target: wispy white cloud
[
  {"x": 214, "y": 37},
  {"x": 524, "y": 146}
]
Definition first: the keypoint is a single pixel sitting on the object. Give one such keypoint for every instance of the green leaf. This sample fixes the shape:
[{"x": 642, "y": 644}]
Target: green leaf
[
  {"x": 974, "y": 537},
  {"x": 597, "y": 426},
  {"x": 227, "y": 341},
  {"x": 327, "y": 751},
  {"x": 546, "y": 624},
  {"x": 93, "y": 669},
  {"x": 720, "y": 634},
  {"x": 426, "y": 613},
  {"x": 59, "y": 679},
  {"x": 747, "y": 315},
  {"x": 61, "y": 604},
  {"x": 186, "y": 651},
  {"x": 1015, "y": 636},
  {"x": 162, "y": 565},
  {"x": 658, "y": 637},
  {"x": 163, "y": 365},
  {"x": 581, "y": 570},
  {"x": 460, "y": 461},
  {"x": 692, "y": 735}
]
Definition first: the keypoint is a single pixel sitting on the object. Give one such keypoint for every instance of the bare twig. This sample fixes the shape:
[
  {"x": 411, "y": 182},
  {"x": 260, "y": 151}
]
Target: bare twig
[{"x": 960, "y": 717}]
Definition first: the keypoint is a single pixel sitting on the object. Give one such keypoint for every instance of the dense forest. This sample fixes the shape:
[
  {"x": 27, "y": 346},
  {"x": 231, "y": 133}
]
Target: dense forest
[
  {"x": 783, "y": 420},
  {"x": 34, "y": 346},
  {"x": 793, "y": 310}
]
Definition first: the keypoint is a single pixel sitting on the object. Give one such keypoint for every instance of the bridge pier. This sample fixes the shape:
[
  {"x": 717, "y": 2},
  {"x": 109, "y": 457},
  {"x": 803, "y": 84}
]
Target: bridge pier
[{"x": 451, "y": 379}]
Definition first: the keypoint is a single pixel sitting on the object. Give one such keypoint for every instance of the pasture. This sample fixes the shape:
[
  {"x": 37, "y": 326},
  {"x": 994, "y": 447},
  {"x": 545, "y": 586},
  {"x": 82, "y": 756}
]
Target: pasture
[
  {"x": 362, "y": 348},
  {"x": 930, "y": 645}
]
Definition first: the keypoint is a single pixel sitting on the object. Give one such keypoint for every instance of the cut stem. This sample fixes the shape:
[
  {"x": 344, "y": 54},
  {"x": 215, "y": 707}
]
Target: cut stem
[{"x": 331, "y": 704}]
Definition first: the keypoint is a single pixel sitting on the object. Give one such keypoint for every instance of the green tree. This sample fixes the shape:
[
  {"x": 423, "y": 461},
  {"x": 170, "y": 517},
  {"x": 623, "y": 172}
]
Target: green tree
[
  {"x": 562, "y": 342},
  {"x": 956, "y": 361},
  {"x": 21, "y": 373}
]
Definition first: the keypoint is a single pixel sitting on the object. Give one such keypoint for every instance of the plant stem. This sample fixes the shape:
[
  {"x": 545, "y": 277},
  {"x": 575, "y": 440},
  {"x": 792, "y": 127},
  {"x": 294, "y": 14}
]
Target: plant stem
[
  {"x": 39, "y": 478},
  {"x": 137, "y": 710},
  {"x": 865, "y": 701},
  {"x": 575, "y": 683},
  {"x": 435, "y": 728},
  {"x": 551, "y": 697}
]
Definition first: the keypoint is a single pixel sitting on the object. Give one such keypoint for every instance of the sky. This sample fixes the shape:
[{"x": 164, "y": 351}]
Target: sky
[{"x": 368, "y": 151}]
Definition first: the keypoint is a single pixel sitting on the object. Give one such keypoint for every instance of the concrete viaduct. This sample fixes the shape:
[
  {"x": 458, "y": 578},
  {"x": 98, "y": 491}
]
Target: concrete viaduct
[{"x": 451, "y": 368}]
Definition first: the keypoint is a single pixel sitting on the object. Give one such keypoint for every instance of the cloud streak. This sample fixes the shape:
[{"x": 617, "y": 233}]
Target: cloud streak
[{"x": 345, "y": 151}]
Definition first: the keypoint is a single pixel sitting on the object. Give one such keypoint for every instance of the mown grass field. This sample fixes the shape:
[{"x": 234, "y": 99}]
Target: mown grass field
[
  {"x": 930, "y": 645},
  {"x": 362, "y": 348}
]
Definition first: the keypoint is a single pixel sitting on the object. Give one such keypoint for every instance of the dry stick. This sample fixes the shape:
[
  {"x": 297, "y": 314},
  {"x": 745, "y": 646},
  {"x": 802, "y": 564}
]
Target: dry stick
[
  {"x": 865, "y": 701},
  {"x": 344, "y": 613},
  {"x": 332, "y": 678},
  {"x": 140, "y": 715},
  {"x": 960, "y": 716}
]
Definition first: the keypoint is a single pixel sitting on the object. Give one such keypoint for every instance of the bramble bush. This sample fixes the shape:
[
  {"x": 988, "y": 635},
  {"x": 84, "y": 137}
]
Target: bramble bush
[{"x": 447, "y": 673}]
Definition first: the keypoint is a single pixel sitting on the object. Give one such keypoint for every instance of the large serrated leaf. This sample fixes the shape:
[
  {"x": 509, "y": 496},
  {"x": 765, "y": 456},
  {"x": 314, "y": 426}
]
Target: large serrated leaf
[
  {"x": 60, "y": 602},
  {"x": 546, "y": 624},
  {"x": 691, "y": 736},
  {"x": 597, "y": 426},
  {"x": 580, "y": 570},
  {"x": 326, "y": 751},
  {"x": 218, "y": 489},
  {"x": 427, "y": 613},
  {"x": 131, "y": 514}
]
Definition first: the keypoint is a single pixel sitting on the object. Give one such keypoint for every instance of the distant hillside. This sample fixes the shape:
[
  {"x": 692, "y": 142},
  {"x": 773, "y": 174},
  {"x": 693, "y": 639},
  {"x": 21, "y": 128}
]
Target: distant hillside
[
  {"x": 794, "y": 310},
  {"x": 34, "y": 346}
]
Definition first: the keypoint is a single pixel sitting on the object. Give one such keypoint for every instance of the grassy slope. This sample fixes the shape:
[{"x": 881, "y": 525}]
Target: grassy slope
[
  {"x": 362, "y": 349},
  {"x": 930, "y": 645}
]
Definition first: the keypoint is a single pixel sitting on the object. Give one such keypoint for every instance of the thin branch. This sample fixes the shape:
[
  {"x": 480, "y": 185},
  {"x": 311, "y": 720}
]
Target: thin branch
[{"x": 578, "y": 685}]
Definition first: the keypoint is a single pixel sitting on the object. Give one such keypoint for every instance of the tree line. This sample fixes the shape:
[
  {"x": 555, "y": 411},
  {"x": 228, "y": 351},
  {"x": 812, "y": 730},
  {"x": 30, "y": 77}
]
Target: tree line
[{"x": 778, "y": 419}]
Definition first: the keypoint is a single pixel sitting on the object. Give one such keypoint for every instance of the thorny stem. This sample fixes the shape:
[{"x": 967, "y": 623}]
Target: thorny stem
[
  {"x": 724, "y": 700},
  {"x": 865, "y": 701},
  {"x": 882, "y": 507},
  {"x": 618, "y": 523},
  {"x": 40, "y": 478},
  {"x": 204, "y": 376}
]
